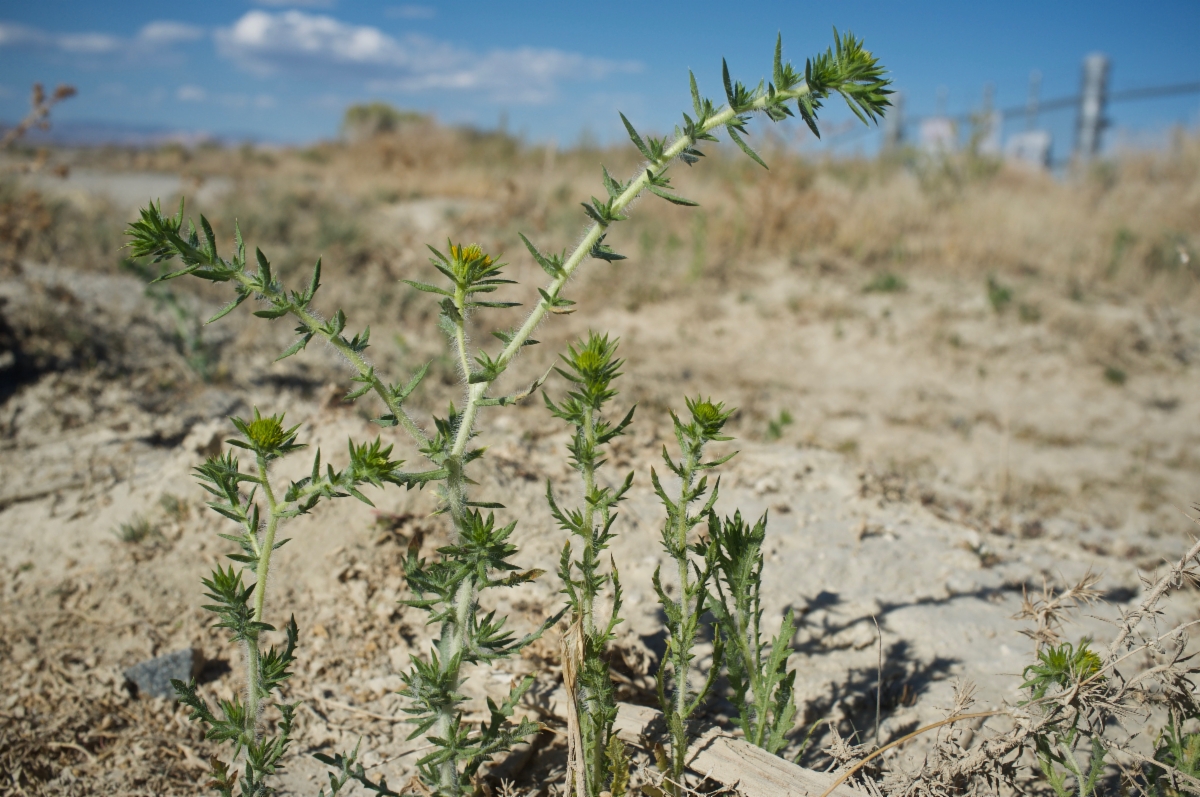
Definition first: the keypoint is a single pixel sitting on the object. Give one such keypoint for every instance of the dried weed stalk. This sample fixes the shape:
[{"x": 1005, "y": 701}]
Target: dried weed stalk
[
  {"x": 1075, "y": 733},
  {"x": 39, "y": 118}
]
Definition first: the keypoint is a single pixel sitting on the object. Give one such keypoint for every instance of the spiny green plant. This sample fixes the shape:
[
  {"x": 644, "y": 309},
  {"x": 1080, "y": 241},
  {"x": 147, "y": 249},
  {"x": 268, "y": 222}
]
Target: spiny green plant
[
  {"x": 759, "y": 680},
  {"x": 481, "y": 555},
  {"x": 1056, "y": 744},
  {"x": 591, "y": 369},
  {"x": 1178, "y": 754},
  {"x": 240, "y": 608},
  {"x": 694, "y": 561}
]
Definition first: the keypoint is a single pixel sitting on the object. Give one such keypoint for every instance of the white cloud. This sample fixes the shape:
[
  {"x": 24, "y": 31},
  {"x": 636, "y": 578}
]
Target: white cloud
[
  {"x": 199, "y": 94},
  {"x": 411, "y": 12},
  {"x": 191, "y": 94},
  {"x": 164, "y": 32},
  {"x": 288, "y": 41},
  {"x": 86, "y": 43},
  {"x": 327, "y": 101},
  {"x": 153, "y": 38},
  {"x": 14, "y": 35},
  {"x": 122, "y": 94}
]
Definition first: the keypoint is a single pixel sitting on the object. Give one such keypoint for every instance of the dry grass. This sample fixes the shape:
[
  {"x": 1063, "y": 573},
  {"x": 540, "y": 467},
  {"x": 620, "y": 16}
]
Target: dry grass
[
  {"x": 1124, "y": 226},
  {"x": 1098, "y": 267}
]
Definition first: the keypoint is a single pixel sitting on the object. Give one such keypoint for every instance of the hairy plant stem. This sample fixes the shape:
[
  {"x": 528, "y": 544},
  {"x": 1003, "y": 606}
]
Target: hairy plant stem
[
  {"x": 597, "y": 768},
  {"x": 682, "y": 663},
  {"x": 454, "y": 632},
  {"x": 761, "y": 695},
  {"x": 588, "y": 467},
  {"x": 268, "y": 542},
  {"x": 313, "y": 324},
  {"x": 451, "y": 645},
  {"x": 254, "y": 708},
  {"x": 755, "y": 718}
]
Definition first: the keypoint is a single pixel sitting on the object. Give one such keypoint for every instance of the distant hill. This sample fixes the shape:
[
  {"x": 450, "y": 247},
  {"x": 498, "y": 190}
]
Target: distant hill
[{"x": 92, "y": 133}]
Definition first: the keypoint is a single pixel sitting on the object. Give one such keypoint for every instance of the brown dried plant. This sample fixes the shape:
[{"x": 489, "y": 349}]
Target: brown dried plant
[
  {"x": 39, "y": 118},
  {"x": 1075, "y": 731}
]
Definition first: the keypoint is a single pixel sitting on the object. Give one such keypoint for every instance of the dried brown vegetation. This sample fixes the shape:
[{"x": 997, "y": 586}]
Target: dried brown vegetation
[{"x": 998, "y": 416}]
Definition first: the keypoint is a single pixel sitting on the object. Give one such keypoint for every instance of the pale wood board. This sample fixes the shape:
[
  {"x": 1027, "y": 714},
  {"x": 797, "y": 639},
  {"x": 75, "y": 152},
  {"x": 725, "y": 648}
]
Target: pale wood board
[{"x": 730, "y": 761}]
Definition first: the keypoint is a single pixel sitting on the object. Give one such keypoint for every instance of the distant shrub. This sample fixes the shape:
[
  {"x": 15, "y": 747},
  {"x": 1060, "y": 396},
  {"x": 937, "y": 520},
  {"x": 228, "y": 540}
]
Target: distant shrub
[
  {"x": 1115, "y": 375},
  {"x": 367, "y": 120},
  {"x": 886, "y": 282},
  {"x": 999, "y": 296},
  {"x": 776, "y": 426},
  {"x": 136, "y": 531}
]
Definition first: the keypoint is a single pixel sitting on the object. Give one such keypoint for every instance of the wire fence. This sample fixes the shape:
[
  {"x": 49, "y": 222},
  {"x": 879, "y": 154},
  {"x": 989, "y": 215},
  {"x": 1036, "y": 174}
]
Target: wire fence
[{"x": 1091, "y": 106}]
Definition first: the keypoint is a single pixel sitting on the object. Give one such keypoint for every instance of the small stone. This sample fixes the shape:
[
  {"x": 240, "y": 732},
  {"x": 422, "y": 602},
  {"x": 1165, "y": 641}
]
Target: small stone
[{"x": 153, "y": 676}]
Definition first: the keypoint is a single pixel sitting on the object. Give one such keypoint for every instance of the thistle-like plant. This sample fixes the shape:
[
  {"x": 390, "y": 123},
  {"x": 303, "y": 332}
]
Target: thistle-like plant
[
  {"x": 240, "y": 607},
  {"x": 596, "y": 755},
  {"x": 1063, "y": 669},
  {"x": 759, "y": 680},
  {"x": 1178, "y": 754},
  {"x": 481, "y": 554},
  {"x": 694, "y": 561}
]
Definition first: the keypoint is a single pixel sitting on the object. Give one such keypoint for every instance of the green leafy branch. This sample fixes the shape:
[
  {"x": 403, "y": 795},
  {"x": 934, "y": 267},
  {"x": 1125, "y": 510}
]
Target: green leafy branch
[
  {"x": 590, "y": 369},
  {"x": 162, "y": 238},
  {"x": 680, "y": 701},
  {"x": 1061, "y": 676},
  {"x": 239, "y": 608},
  {"x": 761, "y": 684}
]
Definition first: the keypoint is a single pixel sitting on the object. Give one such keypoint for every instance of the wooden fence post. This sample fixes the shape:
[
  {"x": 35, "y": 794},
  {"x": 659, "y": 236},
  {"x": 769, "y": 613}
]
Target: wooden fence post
[{"x": 1093, "y": 98}]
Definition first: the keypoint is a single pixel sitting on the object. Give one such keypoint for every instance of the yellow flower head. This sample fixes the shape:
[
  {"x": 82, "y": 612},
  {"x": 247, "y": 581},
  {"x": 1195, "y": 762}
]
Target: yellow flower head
[{"x": 469, "y": 254}]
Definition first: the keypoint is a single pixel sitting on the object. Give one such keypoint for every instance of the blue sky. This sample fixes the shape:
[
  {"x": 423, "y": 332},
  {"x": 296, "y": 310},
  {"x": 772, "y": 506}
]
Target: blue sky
[{"x": 286, "y": 70}]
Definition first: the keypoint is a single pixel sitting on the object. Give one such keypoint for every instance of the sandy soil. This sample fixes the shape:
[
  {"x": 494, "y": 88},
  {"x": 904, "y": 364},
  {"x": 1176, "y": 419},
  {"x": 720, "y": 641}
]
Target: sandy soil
[{"x": 942, "y": 457}]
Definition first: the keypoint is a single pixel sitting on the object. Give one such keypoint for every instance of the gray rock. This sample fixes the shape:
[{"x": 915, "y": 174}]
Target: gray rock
[{"x": 153, "y": 676}]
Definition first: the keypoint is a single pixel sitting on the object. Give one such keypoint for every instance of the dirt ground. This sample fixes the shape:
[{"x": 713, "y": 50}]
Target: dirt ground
[{"x": 925, "y": 451}]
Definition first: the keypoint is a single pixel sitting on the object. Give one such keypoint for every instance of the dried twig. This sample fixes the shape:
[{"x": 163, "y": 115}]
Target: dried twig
[
  {"x": 850, "y": 772},
  {"x": 39, "y": 113},
  {"x": 1173, "y": 579}
]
